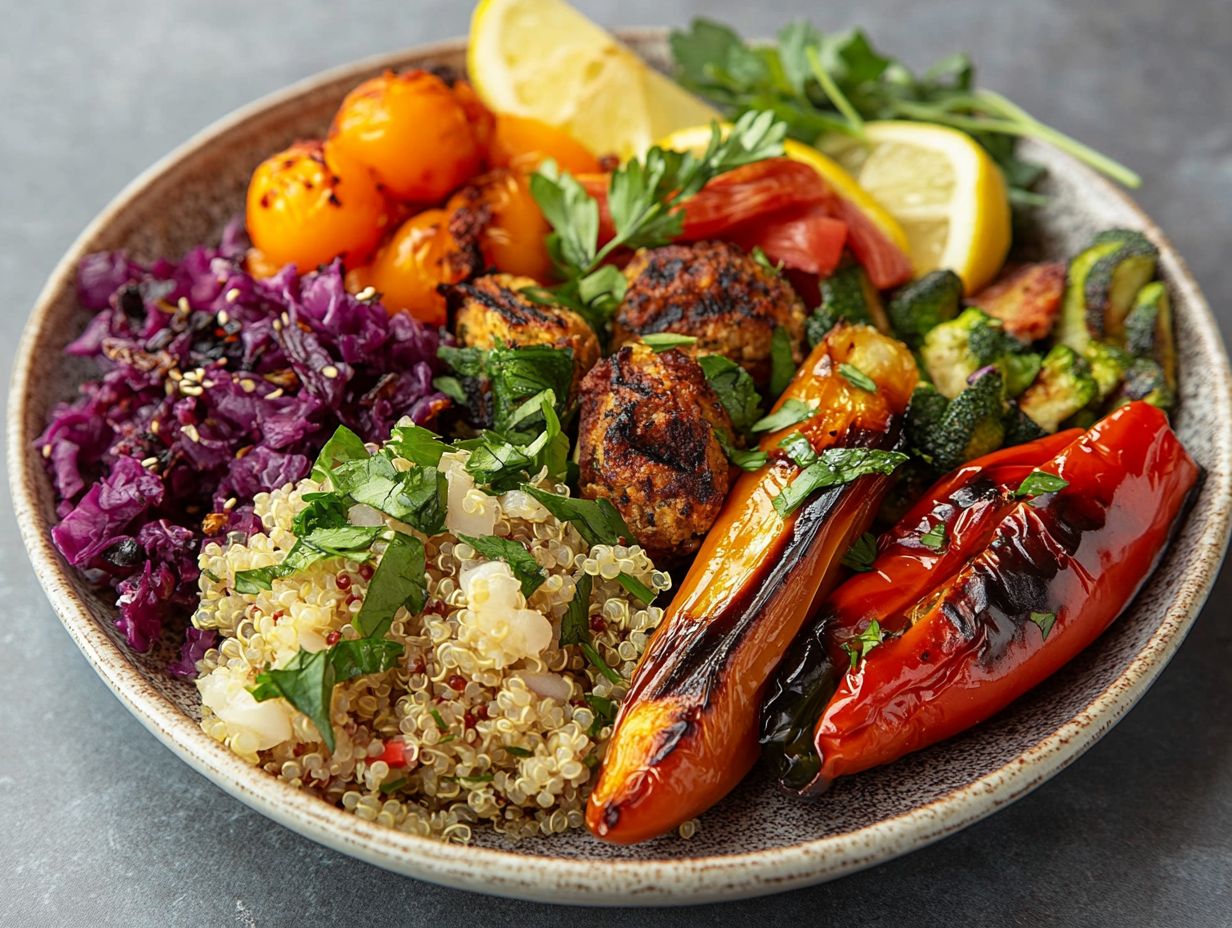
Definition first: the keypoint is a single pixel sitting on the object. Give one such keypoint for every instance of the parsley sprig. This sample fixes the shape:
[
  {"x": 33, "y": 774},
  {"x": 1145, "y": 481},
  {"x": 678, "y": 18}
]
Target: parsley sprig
[
  {"x": 832, "y": 83},
  {"x": 644, "y": 198}
]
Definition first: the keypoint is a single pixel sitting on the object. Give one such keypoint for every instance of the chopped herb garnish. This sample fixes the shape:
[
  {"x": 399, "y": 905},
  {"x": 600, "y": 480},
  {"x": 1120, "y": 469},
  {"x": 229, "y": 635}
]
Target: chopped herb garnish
[
  {"x": 935, "y": 537},
  {"x": 344, "y": 445},
  {"x": 833, "y": 467},
  {"x": 764, "y": 260},
  {"x": 521, "y": 562},
  {"x": 1045, "y": 621},
  {"x": 792, "y": 412},
  {"x": 661, "y": 341},
  {"x": 518, "y": 752},
  {"x": 604, "y": 710},
  {"x": 392, "y": 786},
  {"x": 1039, "y": 482},
  {"x": 782, "y": 365},
  {"x": 308, "y": 679},
  {"x": 452, "y": 388},
  {"x": 478, "y": 778},
  {"x": 734, "y": 387},
  {"x": 862, "y": 553},
  {"x": 415, "y": 443},
  {"x": 750, "y": 459},
  {"x": 398, "y": 581},
  {"x": 600, "y": 664},
  {"x": 857, "y": 378},
  {"x": 799, "y": 449},
  {"x": 439, "y": 719},
  {"x": 858, "y": 647},
  {"x": 596, "y": 520},
  {"x": 575, "y": 625},
  {"x": 634, "y": 587}
]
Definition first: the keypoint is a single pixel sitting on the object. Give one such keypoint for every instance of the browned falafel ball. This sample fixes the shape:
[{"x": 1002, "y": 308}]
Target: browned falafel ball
[
  {"x": 716, "y": 293},
  {"x": 646, "y": 443}
]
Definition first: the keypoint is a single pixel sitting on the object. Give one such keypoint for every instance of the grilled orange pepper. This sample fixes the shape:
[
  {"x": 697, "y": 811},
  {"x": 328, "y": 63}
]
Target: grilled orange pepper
[{"x": 687, "y": 732}]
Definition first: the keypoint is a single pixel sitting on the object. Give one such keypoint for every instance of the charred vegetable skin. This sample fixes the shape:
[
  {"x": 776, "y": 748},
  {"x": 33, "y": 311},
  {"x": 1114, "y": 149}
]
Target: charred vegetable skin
[
  {"x": 982, "y": 591},
  {"x": 687, "y": 732}
]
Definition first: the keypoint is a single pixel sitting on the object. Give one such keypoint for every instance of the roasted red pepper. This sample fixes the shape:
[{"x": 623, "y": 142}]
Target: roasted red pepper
[{"x": 984, "y": 589}]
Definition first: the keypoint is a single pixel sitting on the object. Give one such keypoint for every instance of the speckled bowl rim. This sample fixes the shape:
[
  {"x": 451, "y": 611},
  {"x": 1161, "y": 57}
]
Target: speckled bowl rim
[{"x": 559, "y": 879}]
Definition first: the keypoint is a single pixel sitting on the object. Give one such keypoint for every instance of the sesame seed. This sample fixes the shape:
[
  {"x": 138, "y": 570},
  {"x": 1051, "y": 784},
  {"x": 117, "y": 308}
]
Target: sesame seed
[
  {"x": 189, "y": 389},
  {"x": 229, "y": 504},
  {"x": 175, "y": 375},
  {"x": 274, "y": 394},
  {"x": 154, "y": 426},
  {"x": 149, "y": 462},
  {"x": 46, "y": 451},
  {"x": 366, "y": 294},
  {"x": 330, "y": 371},
  {"x": 247, "y": 385},
  {"x": 183, "y": 305},
  {"x": 232, "y": 295},
  {"x": 190, "y": 432},
  {"x": 223, "y": 316}
]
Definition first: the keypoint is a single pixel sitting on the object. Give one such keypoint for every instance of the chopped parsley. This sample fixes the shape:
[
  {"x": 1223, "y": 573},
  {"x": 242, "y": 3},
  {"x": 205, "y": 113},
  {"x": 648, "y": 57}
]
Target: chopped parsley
[
  {"x": 635, "y": 588},
  {"x": 792, "y": 412},
  {"x": 734, "y": 387},
  {"x": 662, "y": 341},
  {"x": 862, "y": 553},
  {"x": 858, "y": 647},
  {"x": 521, "y": 562},
  {"x": 833, "y": 467},
  {"x": 751, "y": 459},
  {"x": 1039, "y": 482},
  {"x": 596, "y": 520},
  {"x": 857, "y": 378},
  {"x": 1045, "y": 621},
  {"x": 934, "y": 538},
  {"x": 782, "y": 364}
]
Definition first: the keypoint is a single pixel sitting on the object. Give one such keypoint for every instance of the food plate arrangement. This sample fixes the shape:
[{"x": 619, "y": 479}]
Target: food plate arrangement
[{"x": 442, "y": 592}]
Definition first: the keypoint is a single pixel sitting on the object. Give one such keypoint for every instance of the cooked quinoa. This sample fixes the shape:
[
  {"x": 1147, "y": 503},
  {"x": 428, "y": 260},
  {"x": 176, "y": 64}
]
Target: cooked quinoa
[{"x": 489, "y": 713}]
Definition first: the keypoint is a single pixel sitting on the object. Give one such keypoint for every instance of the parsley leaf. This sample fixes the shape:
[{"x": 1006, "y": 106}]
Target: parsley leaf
[
  {"x": 596, "y": 520},
  {"x": 604, "y": 710},
  {"x": 575, "y": 624},
  {"x": 397, "y": 581},
  {"x": 521, "y": 562},
  {"x": 1039, "y": 482},
  {"x": 661, "y": 341},
  {"x": 782, "y": 365},
  {"x": 596, "y": 659},
  {"x": 415, "y": 443},
  {"x": 935, "y": 537},
  {"x": 751, "y": 459},
  {"x": 792, "y": 412},
  {"x": 835, "y": 466},
  {"x": 862, "y": 553},
  {"x": 635, "y": 588},
  {"x": 828, "y": 84},
  {"x": 734, "y": 387},
  {"x": 307, "y": 681},
  {"x": 644, "y": 196},
  {"x": 344, "y": 445},
  {"x": 518, "y": 374},
  {"x": 857, "y": 378},
  {"x": 1045, "y": 621},
  {"x": 864, "y": 642},
  {"x": 799, "y": 449}
]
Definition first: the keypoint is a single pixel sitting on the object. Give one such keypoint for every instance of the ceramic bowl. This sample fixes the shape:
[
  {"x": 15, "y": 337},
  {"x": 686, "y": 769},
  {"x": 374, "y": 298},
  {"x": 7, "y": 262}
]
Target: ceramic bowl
[{"x": 758, "y": 840}]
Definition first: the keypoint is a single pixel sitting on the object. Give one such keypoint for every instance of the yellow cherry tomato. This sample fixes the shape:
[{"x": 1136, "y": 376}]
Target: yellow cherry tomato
[
  {"x": 523, "y": 143},
  {"x": 420, "y": 256},
  {"x": 412, "y": 131},
  {"x": 310, "y": 204},
  {"x": 500, "y": 212}
]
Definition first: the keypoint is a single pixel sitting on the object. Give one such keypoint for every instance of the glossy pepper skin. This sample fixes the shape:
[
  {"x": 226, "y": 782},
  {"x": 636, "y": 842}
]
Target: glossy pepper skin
[
  {"x": 687, "y": 731},
  {"x": 1009, "y": 591}
]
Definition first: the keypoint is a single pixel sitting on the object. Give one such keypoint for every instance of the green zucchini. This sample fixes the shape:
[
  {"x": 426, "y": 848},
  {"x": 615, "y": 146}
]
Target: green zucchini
[
  {"x": 924, "y": 304},
  {"x": 1064, "y": 387},
  {"x": 1149, "y": 332},
  {"x": 1100, "y": 286},
  {"x": 847, "y": 295}
]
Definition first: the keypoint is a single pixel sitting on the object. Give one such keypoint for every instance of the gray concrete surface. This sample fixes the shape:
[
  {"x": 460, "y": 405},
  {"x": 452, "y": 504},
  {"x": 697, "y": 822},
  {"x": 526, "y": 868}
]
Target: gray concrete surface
[{"x": 99, "y": 825}]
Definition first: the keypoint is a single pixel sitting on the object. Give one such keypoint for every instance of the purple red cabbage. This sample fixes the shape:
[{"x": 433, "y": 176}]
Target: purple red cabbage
[{"x": 214, "y": 386}]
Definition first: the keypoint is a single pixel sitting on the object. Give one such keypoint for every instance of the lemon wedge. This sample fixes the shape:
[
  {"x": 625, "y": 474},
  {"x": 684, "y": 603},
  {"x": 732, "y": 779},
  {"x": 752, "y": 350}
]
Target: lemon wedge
[
  {"x": 945, "y": 191},
  {"x": 544, "y": 59},
  {"x": 841, "y": 182}
]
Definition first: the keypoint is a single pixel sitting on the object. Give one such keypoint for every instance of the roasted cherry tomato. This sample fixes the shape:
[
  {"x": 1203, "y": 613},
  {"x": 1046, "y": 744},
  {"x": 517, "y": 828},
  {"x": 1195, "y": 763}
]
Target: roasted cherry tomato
[
  {"x": 505, "y": 220},
  {"x": 412, "y": 131},
  {"x": 523, "y": 143},
  {"x": 418, "y": 257},
  {"x": 312, "y": 203}
]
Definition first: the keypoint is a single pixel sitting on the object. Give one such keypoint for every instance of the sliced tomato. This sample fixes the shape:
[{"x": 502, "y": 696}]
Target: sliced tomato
[
  {"x": 803, "y": 238},
  {"x": 760, "y": 189},
  {"x": 789, "y": 211},
  {"x": 883, "y": 261}
]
